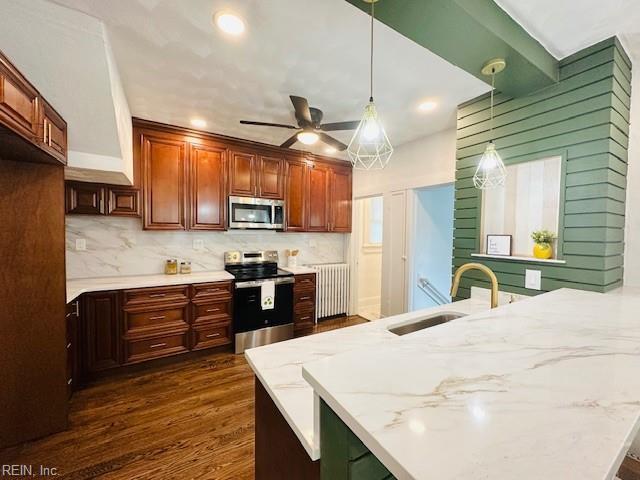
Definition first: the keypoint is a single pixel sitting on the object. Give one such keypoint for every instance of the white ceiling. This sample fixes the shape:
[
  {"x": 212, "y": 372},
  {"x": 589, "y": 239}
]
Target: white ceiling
[
  {"x": 567, "y": 26},
  {"x": 175, "y": 66}
]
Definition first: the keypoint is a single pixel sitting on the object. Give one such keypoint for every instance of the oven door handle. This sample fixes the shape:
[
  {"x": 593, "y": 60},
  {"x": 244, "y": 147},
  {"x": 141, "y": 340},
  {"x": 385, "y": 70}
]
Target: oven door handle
[{"x": 257, "y": 283}]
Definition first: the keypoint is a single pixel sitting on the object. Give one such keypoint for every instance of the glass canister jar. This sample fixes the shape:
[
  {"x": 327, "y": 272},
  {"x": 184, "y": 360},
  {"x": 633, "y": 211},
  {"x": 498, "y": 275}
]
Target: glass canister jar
[
  {"x": 171, "y": 267},
  {"x": 185, "y": 267}
]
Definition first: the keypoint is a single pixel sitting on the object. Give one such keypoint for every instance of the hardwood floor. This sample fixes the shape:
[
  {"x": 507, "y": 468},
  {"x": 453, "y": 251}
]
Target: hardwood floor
[{"x": 188, "y": 420}]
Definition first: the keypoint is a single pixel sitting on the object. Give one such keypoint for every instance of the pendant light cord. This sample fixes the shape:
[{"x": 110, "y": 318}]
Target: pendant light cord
[
  {"x": 371, "y": 57},
  {"x": 493, "y": 79}
]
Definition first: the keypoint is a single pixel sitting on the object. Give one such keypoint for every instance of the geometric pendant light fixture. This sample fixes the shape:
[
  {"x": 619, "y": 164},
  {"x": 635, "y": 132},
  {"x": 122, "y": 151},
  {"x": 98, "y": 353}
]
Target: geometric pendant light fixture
[
  {"x": 370, "y": 148},
  {"x": 491, "y": 172}
]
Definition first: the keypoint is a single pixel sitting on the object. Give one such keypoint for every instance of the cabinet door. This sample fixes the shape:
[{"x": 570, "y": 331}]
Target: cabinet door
[
  {"x": 84, "y": 198},
  {"x": 340, "y": 200},
  {"x": 207, "y": 187},
  {"x": 123, "y": 202},
  {"x": 271, "y": 177},
  {"x": 52, "y": 132},
  {"x": 164, "y": 175},
  {"x": 242, "y": 174},
  {"x": 18, "y": 101},
  {"x": 318, "y": 204},
  {"x": 296, "y": 196},
  {"x": 101, "y": 332}
]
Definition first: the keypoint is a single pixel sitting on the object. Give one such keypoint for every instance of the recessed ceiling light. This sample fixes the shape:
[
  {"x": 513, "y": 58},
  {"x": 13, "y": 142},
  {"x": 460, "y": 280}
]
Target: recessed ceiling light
[
  {"x": 229, "y": 23},
  {"x": 198, "y": 123},
  {"x": 308, "y": 138},
  {"x": 330, "y": 150},
  {"x": 427, "y": 106}
]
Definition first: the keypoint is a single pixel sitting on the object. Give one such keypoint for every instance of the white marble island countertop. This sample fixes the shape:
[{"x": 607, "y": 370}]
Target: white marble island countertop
[
  {"x": 77, "y": 287},
  {"x": 547, "y": 388},
  {"x": 279, "y": 366}
]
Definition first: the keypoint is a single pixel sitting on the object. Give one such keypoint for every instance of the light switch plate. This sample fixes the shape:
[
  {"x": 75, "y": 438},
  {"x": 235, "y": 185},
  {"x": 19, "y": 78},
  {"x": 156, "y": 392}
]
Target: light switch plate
[
  {"x": 533, "y": 279},
  {"x": 198, "y": 244},
  {"x": 81, "y": 244}
]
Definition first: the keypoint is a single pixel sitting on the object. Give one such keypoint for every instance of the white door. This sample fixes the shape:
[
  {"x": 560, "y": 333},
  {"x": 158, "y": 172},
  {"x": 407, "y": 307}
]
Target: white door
[{"x": 394, "y": 254}]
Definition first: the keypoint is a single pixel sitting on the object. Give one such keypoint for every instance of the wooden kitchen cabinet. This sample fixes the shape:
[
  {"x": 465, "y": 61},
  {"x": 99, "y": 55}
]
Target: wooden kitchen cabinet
[
  {"x": 296, "y": 195},
  {"x": 242, "y": 174},
  {"x": 84, "y": 198},
  {"x": 304, "y": 301},
  {"x": 271, "y": 175},
  {"x": 207, "y": 192},
  {"x": 41, "y": 131},
  {"x": 72, "y": 325},
  {"x": 101, "y": 332},
  {"x": 164, "y": 169},
  {"x": 318, "y": 196},
  {"x": 123, "y": 201},
  {"x": 341, "y": 200}
]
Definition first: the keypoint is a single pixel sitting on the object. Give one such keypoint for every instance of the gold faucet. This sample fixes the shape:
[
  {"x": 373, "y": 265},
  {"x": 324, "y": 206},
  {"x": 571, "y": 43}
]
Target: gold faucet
[{"x": 482, "y": 268}]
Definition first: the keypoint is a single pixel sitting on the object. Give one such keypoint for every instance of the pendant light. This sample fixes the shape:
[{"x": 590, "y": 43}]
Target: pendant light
[
  {"x": 370, "y": 147},
  {"x": 491, "y": 172}
]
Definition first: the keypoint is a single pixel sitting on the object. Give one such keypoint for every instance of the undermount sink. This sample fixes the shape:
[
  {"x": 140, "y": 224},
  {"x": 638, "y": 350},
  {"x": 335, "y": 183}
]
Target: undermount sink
[{"x": 427, "y": 322}]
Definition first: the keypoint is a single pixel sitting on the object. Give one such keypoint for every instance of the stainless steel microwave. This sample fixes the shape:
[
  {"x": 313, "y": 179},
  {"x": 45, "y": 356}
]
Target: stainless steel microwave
[{"x": 248, "y": 212}]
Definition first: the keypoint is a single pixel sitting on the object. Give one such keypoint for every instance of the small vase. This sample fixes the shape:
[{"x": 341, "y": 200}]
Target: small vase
[{"x": 542, "y": 252}]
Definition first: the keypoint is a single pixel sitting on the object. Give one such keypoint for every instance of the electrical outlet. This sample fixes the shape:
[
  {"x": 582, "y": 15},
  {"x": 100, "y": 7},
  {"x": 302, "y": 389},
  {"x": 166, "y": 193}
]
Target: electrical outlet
[
  {"x": 533, "y": 279},
  {"x": 81, "y": 244},
  {"x": 198, "y": 244}
]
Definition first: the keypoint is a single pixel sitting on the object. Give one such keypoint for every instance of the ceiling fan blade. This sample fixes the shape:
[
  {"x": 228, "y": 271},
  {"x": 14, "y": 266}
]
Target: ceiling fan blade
[
  {"x": 337, "y": 144},
  {"x": 328, "y": 127},
  {"x": 290, "y": 141},
  {"x": 266, "y": 124},
  {"x": 303, "y": 114}
]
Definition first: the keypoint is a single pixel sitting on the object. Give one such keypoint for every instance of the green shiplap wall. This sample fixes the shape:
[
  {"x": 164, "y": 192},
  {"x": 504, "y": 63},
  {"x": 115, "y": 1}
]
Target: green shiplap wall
[{"x": 585, "y": 119}]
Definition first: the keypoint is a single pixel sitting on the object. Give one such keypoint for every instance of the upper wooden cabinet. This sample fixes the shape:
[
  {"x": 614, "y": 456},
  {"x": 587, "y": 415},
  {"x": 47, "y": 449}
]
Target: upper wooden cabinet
[
  {"x": 164, "y": 168},
  {"x": 296, "y": 195},
  {"x": 207, "y": 173},
  {"x": 318, "y": 198},
  {"x": 84, "y": 198},
  {"x": 242, "y": 174},
  {"x": 271, "y": 175},
  {"x": 41, "y": 131},
  {"x": 341, "y": 200}
]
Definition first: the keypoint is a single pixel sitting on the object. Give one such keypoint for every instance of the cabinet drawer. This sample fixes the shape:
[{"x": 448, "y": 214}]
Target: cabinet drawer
[
  {"x": 305, "y": 282},
  {"x": 206, "y": 336},
  {"x": 145, "y": 322},
  {"x": 304, "y": 319},
  {"x": 218, "y": 289},
  {"x": 155, "y": 347},
  {"x": 304, "y": 296},
  {"x": 143, "y": 296},
  {"x": 219, "y": 311}
]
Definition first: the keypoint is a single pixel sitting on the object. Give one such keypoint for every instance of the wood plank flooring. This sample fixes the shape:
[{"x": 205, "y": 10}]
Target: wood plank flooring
[{"x": 188, "y": 420}]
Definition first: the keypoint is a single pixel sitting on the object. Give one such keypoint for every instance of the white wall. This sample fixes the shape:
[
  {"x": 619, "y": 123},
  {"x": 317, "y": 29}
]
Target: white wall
[
  {"x": 632, "y": 220},
  {"x": 432, "y": 242}
]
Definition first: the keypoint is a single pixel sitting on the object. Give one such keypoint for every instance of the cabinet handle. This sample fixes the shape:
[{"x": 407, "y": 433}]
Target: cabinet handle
[
  {"x": 49, "y": 133},
  {"x": 213, "y": 310},
  {"x": 44, "y": 127},
  {"x": 157, "y": 345},
  {"x": 68, "y": 345},
  {"x": 158, "y": 317},
  {"x": 305, "y": 298},
  {"x": 211, "y": 335},
  {"x": 70, "y": 381},
  {"x": 213, "y": 290},
  {"x": 305, "y": 318},
  {"x": 77, "y": 305},
  {"x": 157, "y": 295}
]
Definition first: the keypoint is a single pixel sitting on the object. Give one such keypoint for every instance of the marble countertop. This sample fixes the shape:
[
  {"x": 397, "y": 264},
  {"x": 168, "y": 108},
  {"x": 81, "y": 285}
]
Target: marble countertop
[
  {"x": 299, "y": 270},
  {"x": 545, "y": 388},
  {"x": 279, "y": 366},
  {"x": 76, "y": 287}
]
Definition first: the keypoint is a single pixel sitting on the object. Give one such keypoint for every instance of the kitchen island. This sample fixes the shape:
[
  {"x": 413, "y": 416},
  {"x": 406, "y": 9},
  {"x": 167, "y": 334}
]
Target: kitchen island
[{"x": 543, "y": 388}]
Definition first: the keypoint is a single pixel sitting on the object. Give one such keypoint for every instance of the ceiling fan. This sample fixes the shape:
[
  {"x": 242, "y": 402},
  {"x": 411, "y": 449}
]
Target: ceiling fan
[{"x": 310, "y": 129}]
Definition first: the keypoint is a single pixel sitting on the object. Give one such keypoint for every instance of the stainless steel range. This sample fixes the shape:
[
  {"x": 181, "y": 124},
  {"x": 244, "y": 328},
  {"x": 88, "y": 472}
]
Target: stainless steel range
[{"x": 262, "y": 299}]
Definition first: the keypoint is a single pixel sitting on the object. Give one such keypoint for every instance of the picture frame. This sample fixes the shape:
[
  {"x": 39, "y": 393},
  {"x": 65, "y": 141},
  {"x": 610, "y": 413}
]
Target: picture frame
[{"x": 499, "y": 245}]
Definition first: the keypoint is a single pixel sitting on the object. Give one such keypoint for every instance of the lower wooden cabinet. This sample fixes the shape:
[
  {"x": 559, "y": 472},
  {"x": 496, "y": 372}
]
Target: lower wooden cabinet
[
  {"x": 124, "y": 327},
  {"x": 73, "y": 320},
  {"x": 101, "y": 332},
  {"x": 304, "y": 301}
]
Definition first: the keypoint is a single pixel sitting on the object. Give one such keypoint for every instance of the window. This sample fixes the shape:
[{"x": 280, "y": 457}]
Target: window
[
  {"x": 373, "y": 222},
  {"x": 529, "y": 201}
]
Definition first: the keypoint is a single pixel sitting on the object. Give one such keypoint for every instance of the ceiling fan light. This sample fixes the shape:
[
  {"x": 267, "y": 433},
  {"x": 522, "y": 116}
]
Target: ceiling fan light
[
  {"x": 308, "y": 138},
  {"x": 370, "y": 148}
]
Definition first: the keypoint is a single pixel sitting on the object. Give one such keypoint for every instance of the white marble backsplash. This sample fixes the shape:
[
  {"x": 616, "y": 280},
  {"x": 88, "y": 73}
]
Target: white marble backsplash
[{"x": 119, "y": 246}]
